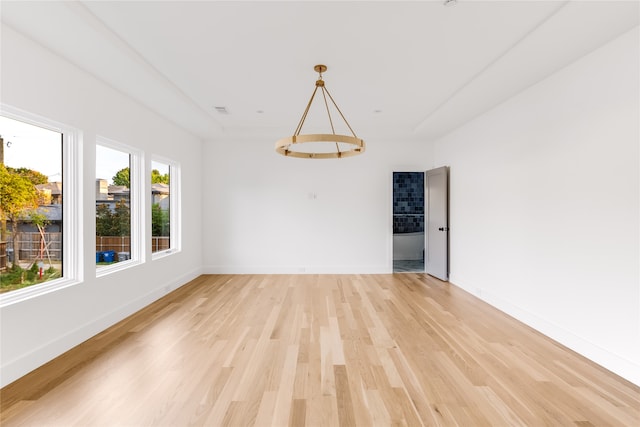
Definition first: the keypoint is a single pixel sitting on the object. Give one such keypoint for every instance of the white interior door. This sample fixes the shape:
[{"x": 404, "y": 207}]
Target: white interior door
[{"x": 437, "y": 223}]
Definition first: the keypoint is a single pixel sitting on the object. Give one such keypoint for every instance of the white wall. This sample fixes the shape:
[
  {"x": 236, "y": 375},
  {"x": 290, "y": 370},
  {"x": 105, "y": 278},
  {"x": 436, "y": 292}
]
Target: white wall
[
  {"x": 545, "y": 206},
  {"x": 265, "y": 213},
  {"x": 36, "y": 330}
]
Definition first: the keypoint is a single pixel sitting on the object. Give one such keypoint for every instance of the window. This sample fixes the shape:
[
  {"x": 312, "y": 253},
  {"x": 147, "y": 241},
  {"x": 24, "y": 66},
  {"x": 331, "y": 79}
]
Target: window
[
  {"x": 117, "y": 195},
  {"x": 164, "y": 207},
  {"x": 40, "y": 222}
]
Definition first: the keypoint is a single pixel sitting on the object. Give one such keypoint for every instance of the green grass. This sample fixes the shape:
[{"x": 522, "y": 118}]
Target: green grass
[{"x": 18, "y": 278}]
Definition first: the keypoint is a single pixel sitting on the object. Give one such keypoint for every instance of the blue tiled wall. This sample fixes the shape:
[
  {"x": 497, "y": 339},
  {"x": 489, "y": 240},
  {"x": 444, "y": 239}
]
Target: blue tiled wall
[{"x": 408, "y": 202}]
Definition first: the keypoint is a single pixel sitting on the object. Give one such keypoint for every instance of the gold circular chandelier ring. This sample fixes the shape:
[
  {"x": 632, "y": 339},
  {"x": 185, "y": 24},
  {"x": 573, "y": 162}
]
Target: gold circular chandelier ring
[{"x": 282, "y": 145}]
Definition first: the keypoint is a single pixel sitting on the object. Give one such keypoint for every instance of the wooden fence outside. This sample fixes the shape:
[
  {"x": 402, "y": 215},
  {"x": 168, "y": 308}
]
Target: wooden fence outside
[
  {"x": 113, "y": 243},
  {"x": 123, "y": 243},
  {"x": 160, "y": 243},
  {"x": 32, "y": 246},
  {"x": 3, "y": 256}
]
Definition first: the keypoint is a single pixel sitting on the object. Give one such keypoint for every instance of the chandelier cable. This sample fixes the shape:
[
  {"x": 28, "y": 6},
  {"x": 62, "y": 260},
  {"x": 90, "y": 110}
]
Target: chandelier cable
[
  {"x": 333, "y": 130},
  {"x": 341, "y": 115},
  {"x": 306, "y": 111}
]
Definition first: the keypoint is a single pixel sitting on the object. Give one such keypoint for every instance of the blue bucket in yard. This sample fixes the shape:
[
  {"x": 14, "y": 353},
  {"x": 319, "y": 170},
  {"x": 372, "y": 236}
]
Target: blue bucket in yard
[
  {"x": 98, "y": 257},
  {"x": 108, "y": 256}
]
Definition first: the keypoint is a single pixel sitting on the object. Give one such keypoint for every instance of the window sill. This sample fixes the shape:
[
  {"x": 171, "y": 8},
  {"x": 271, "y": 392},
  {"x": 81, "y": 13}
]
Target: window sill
[
  {"x": 105, "y": 270},
  {"x": 163, "y": 254},
  {"x": 34, "y": 291}
]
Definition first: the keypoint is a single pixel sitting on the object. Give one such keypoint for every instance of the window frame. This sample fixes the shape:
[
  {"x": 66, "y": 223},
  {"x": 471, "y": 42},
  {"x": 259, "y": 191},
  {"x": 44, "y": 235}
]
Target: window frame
[
  {"x": 136, "y": 206},
  {"x": 175, "y": 207},
  {"x": 72, "y": 217}
]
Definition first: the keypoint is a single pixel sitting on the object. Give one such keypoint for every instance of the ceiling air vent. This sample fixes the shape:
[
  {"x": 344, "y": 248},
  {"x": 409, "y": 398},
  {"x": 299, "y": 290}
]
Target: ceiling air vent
[{"x": 221, "y": 110}]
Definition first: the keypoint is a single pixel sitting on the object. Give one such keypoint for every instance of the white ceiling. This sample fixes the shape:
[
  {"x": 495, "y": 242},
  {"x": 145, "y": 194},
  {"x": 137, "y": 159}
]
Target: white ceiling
[{"x": 406, "y": 69}]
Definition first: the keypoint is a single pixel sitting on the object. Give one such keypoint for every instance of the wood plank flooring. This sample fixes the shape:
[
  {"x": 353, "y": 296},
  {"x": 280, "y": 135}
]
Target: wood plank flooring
[{"x": 320, "y": 350}]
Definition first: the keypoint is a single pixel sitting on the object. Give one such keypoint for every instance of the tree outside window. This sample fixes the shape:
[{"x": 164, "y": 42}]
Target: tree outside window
[
  {"x": 160, "y": 206},
  {"x": 113, "y": 206},
  {"x": 30, "y": 205}
]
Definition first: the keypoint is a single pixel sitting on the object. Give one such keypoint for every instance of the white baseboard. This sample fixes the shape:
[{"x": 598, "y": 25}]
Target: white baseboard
[
  {"x": 21, "y": 366},
  {"x": 252, "y": 269},
  {"x": 615, "y": 363}
]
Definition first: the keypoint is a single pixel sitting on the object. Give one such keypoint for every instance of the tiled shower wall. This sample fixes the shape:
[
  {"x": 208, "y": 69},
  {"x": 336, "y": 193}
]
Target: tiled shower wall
[{"x": 408, "y": 202}]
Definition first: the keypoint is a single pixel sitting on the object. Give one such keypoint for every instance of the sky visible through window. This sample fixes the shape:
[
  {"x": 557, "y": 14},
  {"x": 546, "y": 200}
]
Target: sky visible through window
[
  {"x": 40, "y": 149},
  {"x": 32, "y": 147},
  {"x": 109, "y": 161}
]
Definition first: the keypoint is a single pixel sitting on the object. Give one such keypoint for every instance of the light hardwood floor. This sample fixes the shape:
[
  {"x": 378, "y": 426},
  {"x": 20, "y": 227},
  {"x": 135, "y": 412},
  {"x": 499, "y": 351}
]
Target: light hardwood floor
[{"x": 334, "y": 350}]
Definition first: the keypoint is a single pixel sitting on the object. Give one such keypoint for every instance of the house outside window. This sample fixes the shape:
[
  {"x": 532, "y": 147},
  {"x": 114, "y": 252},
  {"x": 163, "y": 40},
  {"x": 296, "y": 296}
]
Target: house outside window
[{"x": 119, "y": 225}]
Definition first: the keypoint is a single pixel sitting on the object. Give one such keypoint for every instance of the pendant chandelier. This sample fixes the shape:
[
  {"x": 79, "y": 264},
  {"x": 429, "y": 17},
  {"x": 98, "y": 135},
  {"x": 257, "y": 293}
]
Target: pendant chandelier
[{"x": 341, "y": 145}]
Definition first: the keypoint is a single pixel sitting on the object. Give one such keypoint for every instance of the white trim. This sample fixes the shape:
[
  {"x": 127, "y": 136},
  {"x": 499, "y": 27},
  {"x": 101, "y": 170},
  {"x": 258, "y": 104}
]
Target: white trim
[
  {"x": 72, "y": 219},
  {"x": 628, "y": 369},
  {"x": 293, "y": 269},
  {"x": 136, "y": 205},
  {"x": 175, "y": 207},
  {"x": 27, "y": 362}
]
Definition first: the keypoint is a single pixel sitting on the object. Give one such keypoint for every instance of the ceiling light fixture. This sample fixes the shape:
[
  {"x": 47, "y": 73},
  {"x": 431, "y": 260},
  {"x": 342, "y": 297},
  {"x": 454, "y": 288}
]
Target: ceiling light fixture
[{"x": 345, "y": 146}]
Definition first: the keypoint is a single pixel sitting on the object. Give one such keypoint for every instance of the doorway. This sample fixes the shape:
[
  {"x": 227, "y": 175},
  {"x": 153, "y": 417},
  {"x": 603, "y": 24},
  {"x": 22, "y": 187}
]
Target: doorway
[{"x": 408, "y": 222}]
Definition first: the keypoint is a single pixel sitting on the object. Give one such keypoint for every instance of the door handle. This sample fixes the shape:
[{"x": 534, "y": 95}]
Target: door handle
[{"x": 443, "y": 229}]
